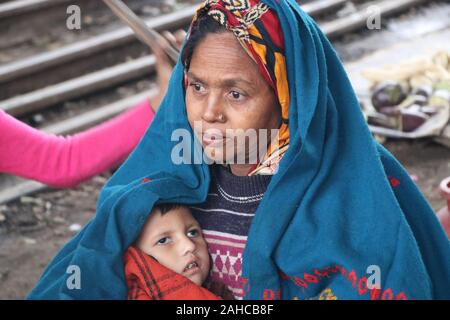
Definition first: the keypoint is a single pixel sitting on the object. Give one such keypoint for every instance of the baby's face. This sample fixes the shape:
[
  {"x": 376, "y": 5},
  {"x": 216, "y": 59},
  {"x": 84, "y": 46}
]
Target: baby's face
[{"x": 176, "y": 241}]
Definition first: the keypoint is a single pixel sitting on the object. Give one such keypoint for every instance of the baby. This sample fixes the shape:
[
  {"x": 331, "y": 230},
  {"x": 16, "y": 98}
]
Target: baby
[
  {"x": 170, "y": 244},
  {"x": 173, "y": 237}
]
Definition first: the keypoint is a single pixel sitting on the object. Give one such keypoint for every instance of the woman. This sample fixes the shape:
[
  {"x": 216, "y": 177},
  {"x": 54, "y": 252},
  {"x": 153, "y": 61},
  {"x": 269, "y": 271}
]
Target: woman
[{"x": 325, "y": 213}]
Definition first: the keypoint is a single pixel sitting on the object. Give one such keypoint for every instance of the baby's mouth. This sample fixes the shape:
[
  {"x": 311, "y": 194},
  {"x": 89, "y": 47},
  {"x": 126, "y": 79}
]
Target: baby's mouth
[{"x": 191, "y": 266}]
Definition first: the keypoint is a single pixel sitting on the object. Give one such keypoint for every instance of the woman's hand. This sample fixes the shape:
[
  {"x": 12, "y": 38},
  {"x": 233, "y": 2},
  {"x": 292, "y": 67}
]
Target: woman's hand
[{"x": 164, "y": 66}]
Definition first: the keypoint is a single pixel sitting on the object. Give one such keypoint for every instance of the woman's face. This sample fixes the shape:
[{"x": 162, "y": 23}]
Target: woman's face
[{"x": 227, "y": 91}]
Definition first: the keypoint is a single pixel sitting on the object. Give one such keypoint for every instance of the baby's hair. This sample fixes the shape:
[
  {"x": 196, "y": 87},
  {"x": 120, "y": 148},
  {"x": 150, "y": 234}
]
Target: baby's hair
[{"x": 163, "y": 208}]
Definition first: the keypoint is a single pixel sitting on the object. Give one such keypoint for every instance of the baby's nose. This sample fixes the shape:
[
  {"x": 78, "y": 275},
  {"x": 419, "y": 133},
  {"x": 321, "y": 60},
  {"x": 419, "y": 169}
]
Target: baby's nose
[{"x": 188, "y": 245}]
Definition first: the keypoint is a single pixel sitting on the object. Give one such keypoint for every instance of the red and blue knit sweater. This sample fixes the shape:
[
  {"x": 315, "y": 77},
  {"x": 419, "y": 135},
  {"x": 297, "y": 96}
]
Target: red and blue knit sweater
[{"x": 225, "y": 218}]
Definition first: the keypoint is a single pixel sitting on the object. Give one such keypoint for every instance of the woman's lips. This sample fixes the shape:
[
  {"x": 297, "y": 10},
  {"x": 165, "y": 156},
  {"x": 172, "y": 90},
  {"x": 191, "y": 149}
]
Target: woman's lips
[{"x": 213, "y": 140}]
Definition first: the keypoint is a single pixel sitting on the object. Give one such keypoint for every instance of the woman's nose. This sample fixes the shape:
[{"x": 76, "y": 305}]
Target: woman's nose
[{"x": 212, "y": 110}]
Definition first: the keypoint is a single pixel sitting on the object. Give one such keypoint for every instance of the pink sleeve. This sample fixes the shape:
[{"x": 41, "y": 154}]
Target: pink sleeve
[{"x": 66, "y": 161}]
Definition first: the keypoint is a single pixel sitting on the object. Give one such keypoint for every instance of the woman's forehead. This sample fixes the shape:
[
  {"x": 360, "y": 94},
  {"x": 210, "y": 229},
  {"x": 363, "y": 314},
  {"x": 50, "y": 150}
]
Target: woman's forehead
[
  {"x": 222, "y": 56},
  {"x": 227, "y": 80}
]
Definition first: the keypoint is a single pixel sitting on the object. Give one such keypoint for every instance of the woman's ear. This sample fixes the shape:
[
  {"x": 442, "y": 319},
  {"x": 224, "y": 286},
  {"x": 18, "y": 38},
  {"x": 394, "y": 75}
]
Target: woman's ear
[{"x": 185, "y": 79}]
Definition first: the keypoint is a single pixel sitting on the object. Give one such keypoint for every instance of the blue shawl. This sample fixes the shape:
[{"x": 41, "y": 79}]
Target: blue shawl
[{"x": 341, "y": 219}]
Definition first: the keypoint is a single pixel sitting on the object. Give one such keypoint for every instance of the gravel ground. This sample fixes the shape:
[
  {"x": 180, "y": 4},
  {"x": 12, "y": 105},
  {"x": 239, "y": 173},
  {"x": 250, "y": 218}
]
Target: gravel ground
[{"x": 33, "y": 229}]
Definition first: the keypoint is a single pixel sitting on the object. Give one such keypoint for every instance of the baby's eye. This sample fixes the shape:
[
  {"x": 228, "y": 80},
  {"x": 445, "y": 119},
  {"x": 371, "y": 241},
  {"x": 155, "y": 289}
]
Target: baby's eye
[
  {"x": 163, "y": 241},
  {"x": 193, "y": 233}
]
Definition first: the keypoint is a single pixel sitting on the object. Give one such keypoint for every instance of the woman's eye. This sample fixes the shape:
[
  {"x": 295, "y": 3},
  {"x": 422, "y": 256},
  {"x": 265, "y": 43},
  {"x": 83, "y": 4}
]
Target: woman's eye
[
  {"x": 163, "y": 240},
  {"x": 193, "y": 233},
  {"x": 197, "y": 87},
  {"x": 236, "y": 95}
]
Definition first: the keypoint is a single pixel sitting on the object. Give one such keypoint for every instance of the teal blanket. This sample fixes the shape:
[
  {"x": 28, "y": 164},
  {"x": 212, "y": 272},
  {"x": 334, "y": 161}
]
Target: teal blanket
[{"x": 341, "y": 219}]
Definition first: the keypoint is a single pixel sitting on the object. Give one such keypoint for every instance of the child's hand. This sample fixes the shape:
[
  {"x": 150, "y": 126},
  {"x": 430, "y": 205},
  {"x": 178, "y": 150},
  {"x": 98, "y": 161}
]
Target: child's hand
[{"x": 164, "y": 65}]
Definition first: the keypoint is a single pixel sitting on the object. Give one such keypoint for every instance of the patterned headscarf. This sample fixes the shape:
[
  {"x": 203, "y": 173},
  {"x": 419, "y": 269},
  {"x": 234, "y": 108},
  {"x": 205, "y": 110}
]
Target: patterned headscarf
[{"x": 258, "y": 30}]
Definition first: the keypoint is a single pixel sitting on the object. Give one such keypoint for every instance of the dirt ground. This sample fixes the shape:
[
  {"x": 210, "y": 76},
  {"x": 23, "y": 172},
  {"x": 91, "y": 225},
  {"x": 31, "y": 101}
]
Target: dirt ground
[{"x": 34, "y": 228}]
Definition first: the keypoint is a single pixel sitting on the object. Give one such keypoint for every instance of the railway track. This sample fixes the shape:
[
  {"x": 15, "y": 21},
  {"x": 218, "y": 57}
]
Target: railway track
[{"x": 102, "y": 62}]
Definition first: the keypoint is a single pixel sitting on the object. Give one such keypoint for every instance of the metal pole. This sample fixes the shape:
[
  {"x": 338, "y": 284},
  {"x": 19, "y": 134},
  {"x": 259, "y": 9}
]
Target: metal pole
[{"x": 147, "y": 35}]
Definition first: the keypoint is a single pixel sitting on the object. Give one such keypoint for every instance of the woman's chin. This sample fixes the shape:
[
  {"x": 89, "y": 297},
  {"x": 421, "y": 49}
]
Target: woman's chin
[
  {"x": 222, "y": 155},
  {"x": 214, "y": 154}
]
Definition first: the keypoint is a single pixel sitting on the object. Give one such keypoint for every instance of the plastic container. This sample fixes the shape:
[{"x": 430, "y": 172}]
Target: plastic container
[{"x": 444, "y": 213}]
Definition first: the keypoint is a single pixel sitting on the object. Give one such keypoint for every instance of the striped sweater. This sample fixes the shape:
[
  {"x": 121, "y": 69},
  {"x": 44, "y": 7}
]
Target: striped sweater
[{"x": 225, "y": 218}]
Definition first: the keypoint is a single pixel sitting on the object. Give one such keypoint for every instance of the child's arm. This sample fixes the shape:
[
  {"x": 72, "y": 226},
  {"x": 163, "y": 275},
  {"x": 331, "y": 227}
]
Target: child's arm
[{"x": 149, "y": 280}]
